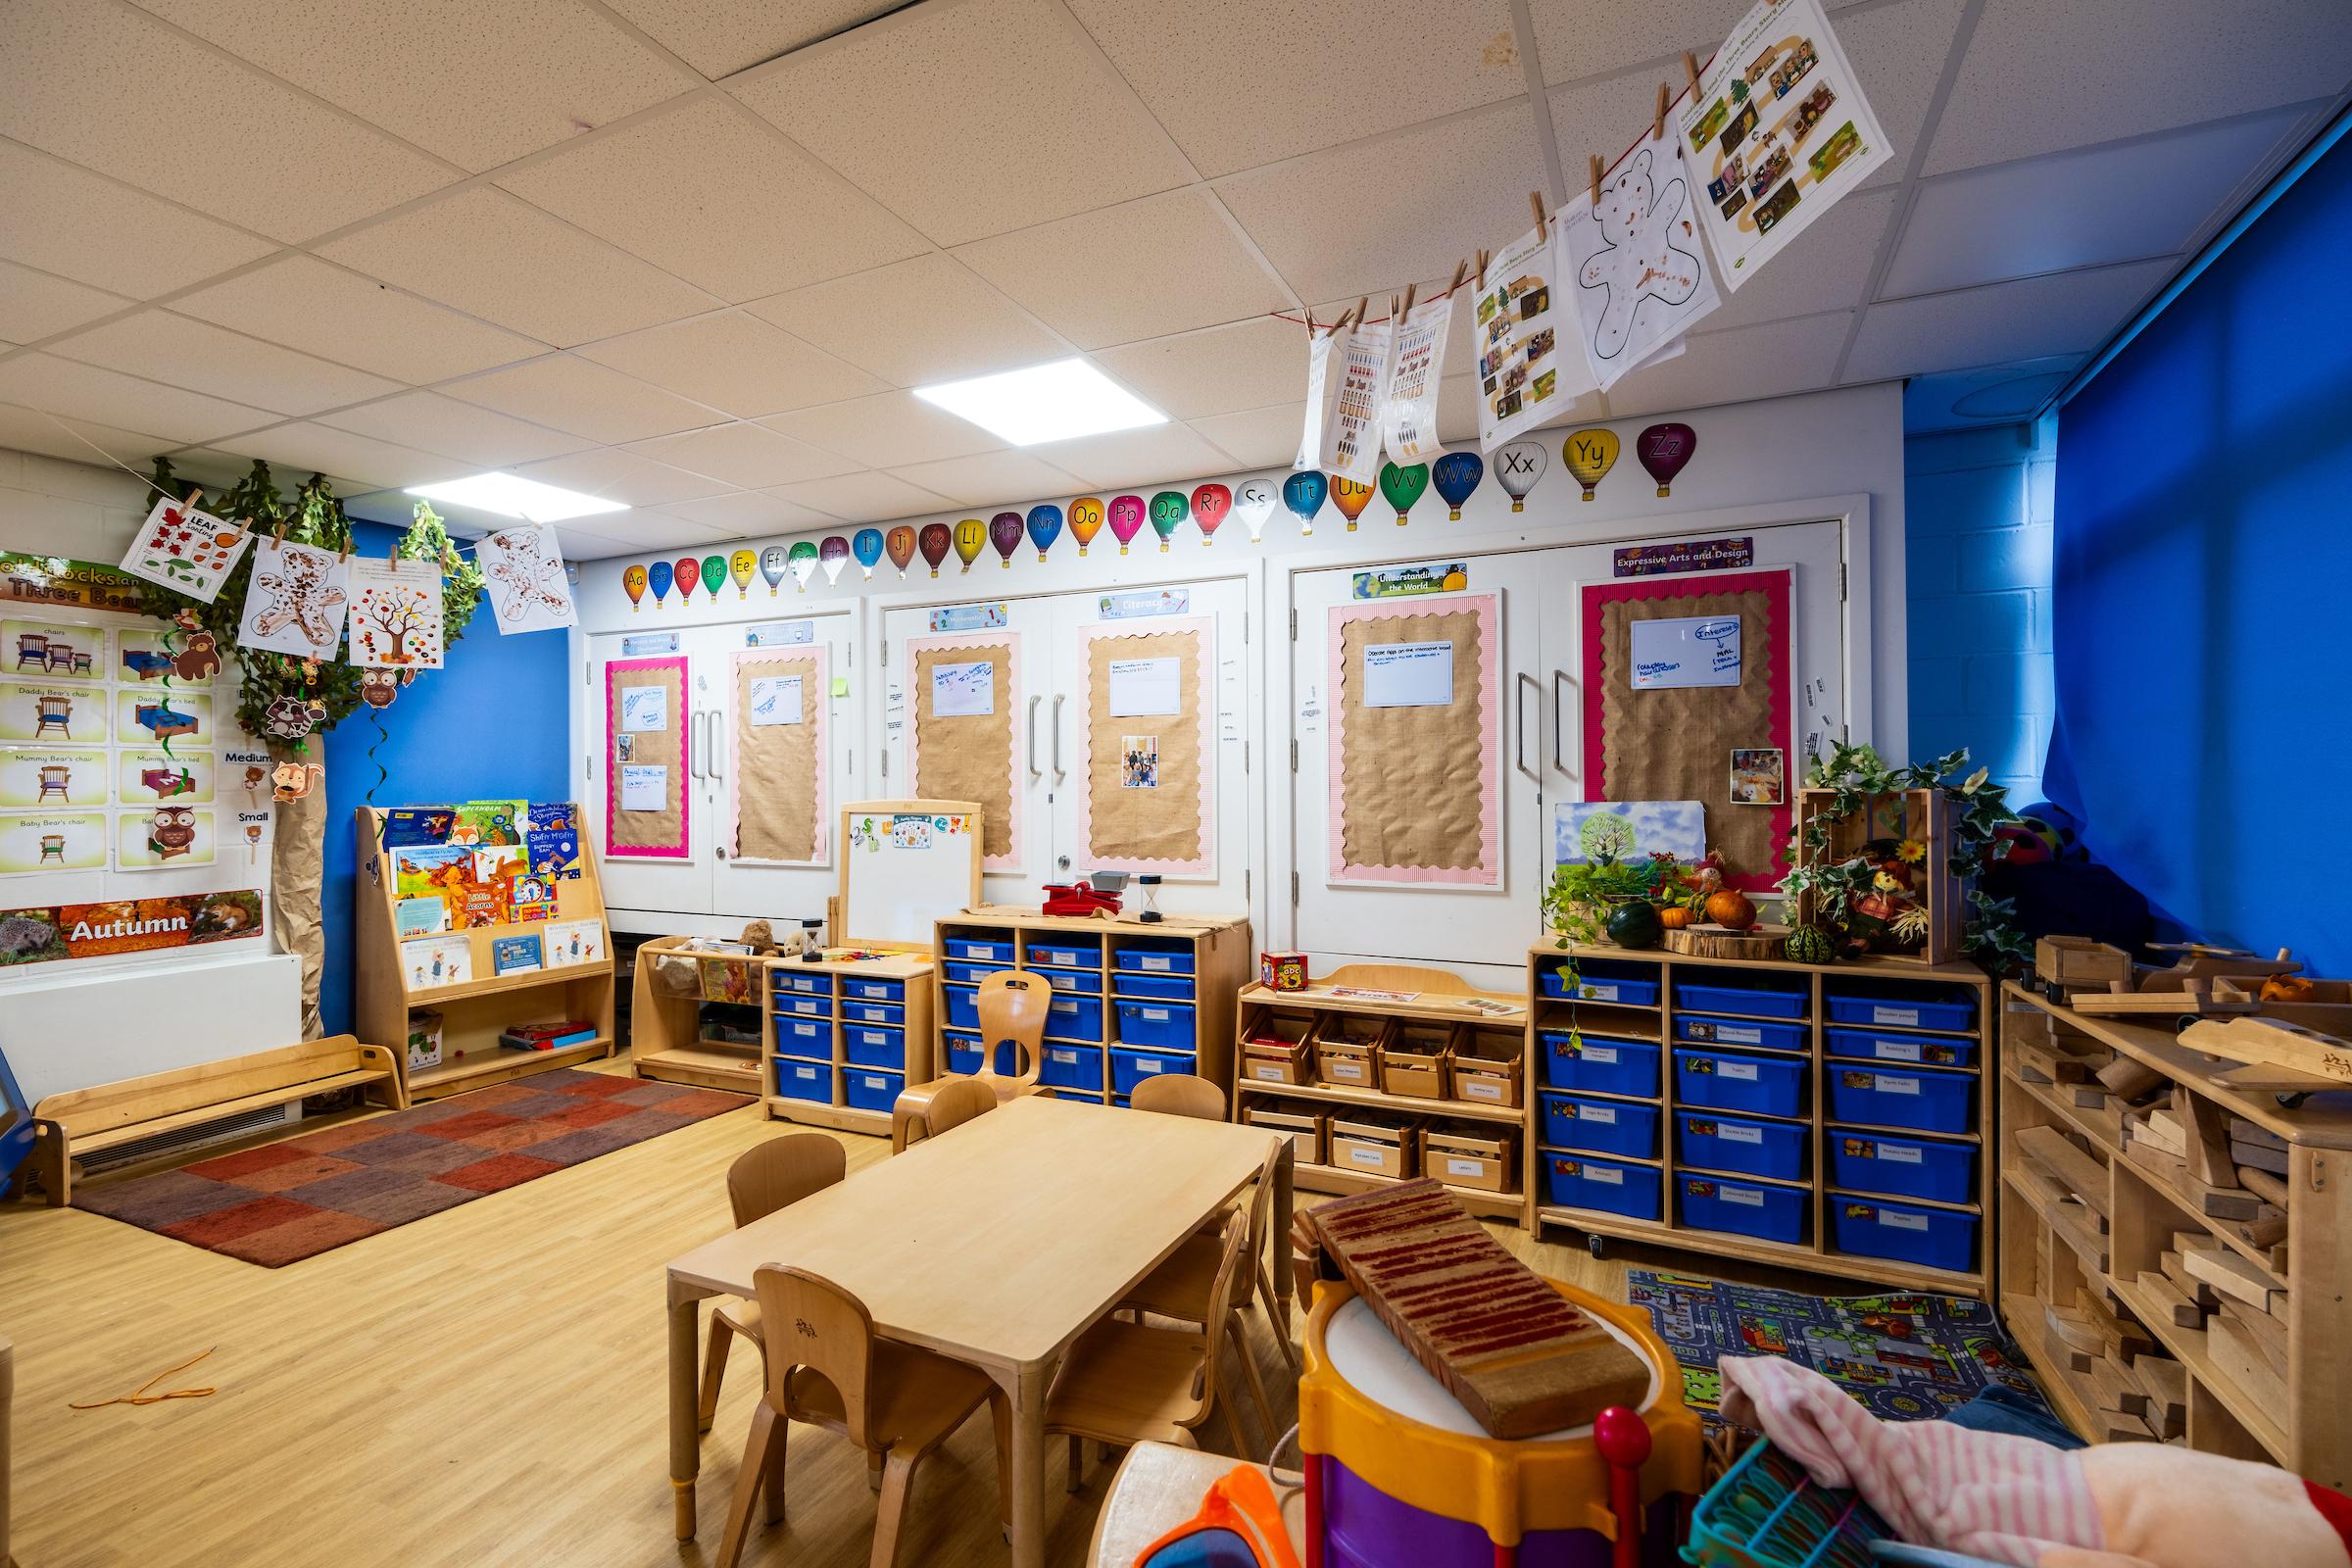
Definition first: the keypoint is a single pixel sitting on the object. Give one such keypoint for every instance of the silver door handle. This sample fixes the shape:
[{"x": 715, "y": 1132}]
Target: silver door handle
[
  {"x": 1519, "y": 715},
  {"x": 694, "y": 745},
  {"x": 711, "y": 762},
  {"x": 1059, "y": 699},
  {"x": 1033, "y": 702},
  {"x": 1559, "y": 679}
]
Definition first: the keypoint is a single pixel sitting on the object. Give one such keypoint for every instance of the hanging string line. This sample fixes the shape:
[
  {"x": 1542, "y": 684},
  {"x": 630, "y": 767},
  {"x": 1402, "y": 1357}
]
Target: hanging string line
[{"x": 140, "y": 1395}]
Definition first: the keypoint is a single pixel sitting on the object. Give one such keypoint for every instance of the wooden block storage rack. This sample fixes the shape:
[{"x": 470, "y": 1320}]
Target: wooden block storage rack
[
  {"x": 1438, "y": 999},
  {"x": 473, "y": 1012},
  {"x": 1656, "y": 1023},
  {"x": 2088, "y": 1213},
  {"x": 1221, "y": 966}
]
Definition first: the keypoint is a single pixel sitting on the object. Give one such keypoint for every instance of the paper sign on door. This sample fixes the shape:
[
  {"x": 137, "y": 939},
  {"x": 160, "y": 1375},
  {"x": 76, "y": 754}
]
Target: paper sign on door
[
  {"x": 1689, "y": 650},
  {"x": 643, "y": 708},
  {"x": 776, "y": 700},
  {"x": 1409, "y": 674},
  {"x": 1142, "y": 687},
  {"x": 964, "y": 691},
  {"x": 644, "y": 787}
]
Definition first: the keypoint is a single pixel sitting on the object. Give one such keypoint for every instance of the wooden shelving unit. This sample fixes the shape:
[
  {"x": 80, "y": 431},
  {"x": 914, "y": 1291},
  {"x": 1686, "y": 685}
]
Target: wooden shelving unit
[
  {"x": 1220, "y": 959},
  {"x": 1656, "y": 1023},
  {"x": 1438, "y": 999},
  {"x": 2093, "y": 1216},
  {"x": 473, "y": 1012}
]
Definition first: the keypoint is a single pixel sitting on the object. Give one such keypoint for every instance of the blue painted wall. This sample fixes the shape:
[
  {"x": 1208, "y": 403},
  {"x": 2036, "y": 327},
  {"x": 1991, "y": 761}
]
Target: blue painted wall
[
  {"x": 2204, "y": 715},
  {"x": 1977, "y": 509},
  {"x": 493, "y": 725}
]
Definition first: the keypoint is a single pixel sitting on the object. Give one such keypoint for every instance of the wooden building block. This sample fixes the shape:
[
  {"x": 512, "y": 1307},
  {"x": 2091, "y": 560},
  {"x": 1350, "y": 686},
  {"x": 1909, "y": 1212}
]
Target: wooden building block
[
  {"x": 2162, "y": 1129},
  {"x": 2258, "y": 1156},
  {"x": 2117, "y": 1427},
  {"x": 2263, "y": 1185},
  {"x": 2187, "y": 1284},
  {"x": 2233, "y": 1277},
  {"x": 2220, "y": 1203},
  {"x": 2242, "y": 1361},
  {"x": 2266, "y": 1333},
  {"x": 2183, "y": 1312},
  {"x": 2206, "y": 1130},
  {"x": 2063, "y": 1158},
  {"x": 2165, "y": 1383},
  {"x": 2116, "y": 1389}
]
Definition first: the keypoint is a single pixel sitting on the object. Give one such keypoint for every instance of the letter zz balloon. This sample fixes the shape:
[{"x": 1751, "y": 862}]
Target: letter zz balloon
[
  {"x": 1663, "y": 450},
  {"x": 1457, "y": 475},
  {"x": 1302, "y": 493}
]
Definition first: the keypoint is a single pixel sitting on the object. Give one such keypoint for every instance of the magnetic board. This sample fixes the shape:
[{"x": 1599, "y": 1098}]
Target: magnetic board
[{"x": 904, "y": 866}]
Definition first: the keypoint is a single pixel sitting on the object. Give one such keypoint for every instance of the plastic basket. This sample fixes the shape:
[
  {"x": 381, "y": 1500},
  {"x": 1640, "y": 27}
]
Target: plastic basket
[{"x": 1766, "y": 1512}]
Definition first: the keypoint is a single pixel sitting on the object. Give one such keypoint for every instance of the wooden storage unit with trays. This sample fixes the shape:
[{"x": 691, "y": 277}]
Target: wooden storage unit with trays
[
  {"x": 1830, "y": 1118},
  {"x": 2174, "y": 1243},
  {"x": 1377, "y": 1090},
  {"x": 396, "y": 980},
  {"x": 1131, "y": 999}
]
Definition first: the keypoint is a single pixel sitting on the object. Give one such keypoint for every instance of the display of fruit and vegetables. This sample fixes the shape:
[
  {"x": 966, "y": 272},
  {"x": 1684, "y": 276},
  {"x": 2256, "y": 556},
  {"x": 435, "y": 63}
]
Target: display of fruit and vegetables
[
  {"x": 1810, "y": 944},
  {"x": 1731, "y": 909},
  {"x": 1589, "y": 901},
  {"x": 1635, "y": 924}
]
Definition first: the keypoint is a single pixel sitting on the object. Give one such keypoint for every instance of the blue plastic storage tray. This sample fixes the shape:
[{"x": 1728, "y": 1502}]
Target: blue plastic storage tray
[
  {"x": 889, "y": 1012},
  {"x": 968, "y": 975},
  {"x": 1066, "y": 954},
  {"x": 805, "y": 1080},
  {"x": 1131, "y": 1068},
  {"x": 868, "y": 1089},
  {"x": 1722, "y": 1080},
  {"x": 1154, "y": 987},
  {"x": 1579, "y": 1181},
  {"x": 964, "y": 1007},
  {"x": 1763, "y": 1034},
  {"x": 998, "y": 953},
  {"x": 1738, "y": 1000},
  {"x": 1904, "y": 1005},
  {"x": 804, "y": 1036},
  {"x": 1902, "y": 1167},
  {"x": 1166, "y": 1025},
  {"x": 1877, "y": 1045},
  {"x": 1072, "y": 1067},
  {"x": 1933, "y": 1238},
  {"x": 1599, "y": 982},
  {"x": 1597, "y": 1064},
  {"x": 873, "y": 989},
  {"x": 1743, "y": 1208},
  {"x": 799, "y": 1006},
  {"x": 1773, "y": 1149},
  {"x": 806, "y": 985},
  {"x": 1925, "y": 1100},
  {"x": 1600, "y": 1126},
  {"x": 1767, "y": 1512},
  {"x": 1083, "y": 982},
  {"x": 1069, "y": 1018},
  {"x": 1154, "y": 961},
  {"x": 965, "y": 1054},
  {"x": 869, "y": 1045}
]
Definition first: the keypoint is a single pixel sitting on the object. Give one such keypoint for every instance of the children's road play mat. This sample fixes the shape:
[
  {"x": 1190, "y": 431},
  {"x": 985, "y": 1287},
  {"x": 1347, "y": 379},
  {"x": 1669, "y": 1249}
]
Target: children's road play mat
[{"x": 1905, "y": 1357}]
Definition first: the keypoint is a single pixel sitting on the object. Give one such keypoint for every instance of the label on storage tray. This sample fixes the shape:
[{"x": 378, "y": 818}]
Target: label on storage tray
[
  {"x": 1898, "y": 1050},
  {"x": 1465, "y": 1167},
  {"x": 1155, "y": 1014},
  {"x": 1898, "y": 1154},
  {"x": 1908, "y": 1017},
  {"x": 1157, "y": 964},
  {"x": 1368, "y": 1156},
  {"x": 1738, "y": 1034},
  {"x": 1599, "y": 991},
  {"x": 1058, "y": 1054},
  {"x": 1731, "y": 1133},
  {"x": 1478, "y": 1088},
  {"x": 1606, "y": 1116},
  {"x": 1150, "y": 1064},
  {"x": 1352, "y": 1071},
  {"x": 1601, "y": 1053},
  {"x": 1902, "y": 1222},
  {"x": 1888, "y": 1084},
  {"x": 1270, "y": 1072},
  {"x": 1744, "y": 1197},
  {"x": 1606, "y": 1175},
  {"x": 1743, "y": 1070}
]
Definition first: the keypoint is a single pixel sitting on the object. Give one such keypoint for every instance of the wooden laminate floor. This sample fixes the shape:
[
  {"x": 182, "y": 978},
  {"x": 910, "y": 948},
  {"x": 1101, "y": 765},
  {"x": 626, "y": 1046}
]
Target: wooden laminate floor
[{"x": 483, "y": 1387}]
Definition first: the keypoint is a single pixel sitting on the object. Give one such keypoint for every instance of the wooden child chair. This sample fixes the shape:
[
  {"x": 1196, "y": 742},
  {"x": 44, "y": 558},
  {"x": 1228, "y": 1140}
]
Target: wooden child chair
[
  {"x": 955, "y": 1104},
  {"x": 1013, "y": 1007},
  {"x": 773, "y": 1175},
  {"x": 892, "y": 1400},
  {"x": 1180, "y": 1094}
]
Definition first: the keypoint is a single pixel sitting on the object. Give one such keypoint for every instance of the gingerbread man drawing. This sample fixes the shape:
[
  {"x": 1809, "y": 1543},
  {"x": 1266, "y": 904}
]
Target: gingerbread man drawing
[
  {"x": 302, "y": 599},
  {"x": 1640, "y": 258},
  {"x": 524, "y": 574}
]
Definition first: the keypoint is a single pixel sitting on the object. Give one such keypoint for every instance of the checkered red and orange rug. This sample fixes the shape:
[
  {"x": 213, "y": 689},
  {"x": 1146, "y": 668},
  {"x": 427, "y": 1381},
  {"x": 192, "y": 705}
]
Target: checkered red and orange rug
[{"x": 282, "y": 1202}]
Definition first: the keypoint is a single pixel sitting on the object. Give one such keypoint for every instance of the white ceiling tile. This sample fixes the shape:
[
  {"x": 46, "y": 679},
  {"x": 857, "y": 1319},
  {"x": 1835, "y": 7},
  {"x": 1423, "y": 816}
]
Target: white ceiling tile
[
  {"x": 322, "y": 309},
  {"x": 747, "y": 454},
  {"x": 303, "y": 449},
  {"x": 658, "y": 530},
  {"x": 1245, "y": 365},
  {"x": 991, "y": 479},
  {"x": 1898, "y": 53},
  {"x": 1135, "y": 271},
  {"x": 1827, "y": 269},
  {"x": 77, "y": 224},
  {"x": 84, "y": 82},
  {"x": 1263, "y": 101},
  {"x": 1422, "y": 207},
  {"x": 2004, "y": 394},
  {"x": 868, "y": 497},
  {"x": 736, "y": 363},
  {"x": 76, "y": 391},
  {"x": 577, "y": 544},
  {"x": 2067, "y": 312},
  {"x": 1156, "y": 455},
  {"x": 478, "y": 84},
  {"x": 1606, "y": 117},
  {"x": 1736, "y": 366},
  {"x": 431, "y": 423},
  {"x": 968, "y": 118},
  {"x": 506, "y": 261},
  {"x": 913, "y": 324},
  {"x": 616, "y": 475},
  {"x": 708, "y": 193},
  {"x": 748, "y": 512},
  {"x": 1261, "y": 438},
  {"x": 719, "y": 37},
  {"x": 567, "y": 393},
  {"x": 2044, "y": 75},
  {"x": 204, "y": 358},
  {"x": 27, "y": 430},
  {"x": 2116, "y": 202},
  {"x": 886, "y": 430},
  {"x": 37, "y": 304},
  {"x": 1578, "y": 38}
]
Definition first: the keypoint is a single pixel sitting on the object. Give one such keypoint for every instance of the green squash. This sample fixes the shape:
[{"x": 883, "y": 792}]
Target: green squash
[
  {"x": 1635, "y": 925},
  {"x": 1809, "y": 944}
]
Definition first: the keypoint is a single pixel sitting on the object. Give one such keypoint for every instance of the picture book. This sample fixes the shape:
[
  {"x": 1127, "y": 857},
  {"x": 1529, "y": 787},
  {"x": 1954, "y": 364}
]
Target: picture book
[
  {"x": 515, "y": 954},
  {"x": 499, "y": 863},
  {"x": 553, "y": 815},
  {"x": 481, "y": 904},
  {"x": 555, "y": 853},
  {"x": 529, "y": 900},
  {"x": 427, "y": 915},
  {"x": 429, "y": 869},
  {"x": 405, "y": 825},
  {"x": 573, "y": 942},
  {"x": 488, "y": 822},
  {"x": 428, "y": 962}
]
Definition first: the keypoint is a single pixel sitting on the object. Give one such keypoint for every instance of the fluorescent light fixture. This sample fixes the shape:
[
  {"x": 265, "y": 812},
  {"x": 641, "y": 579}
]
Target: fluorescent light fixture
[
  {"x": 1043, "y": 403},
  {"x": 510, "y": 496}
]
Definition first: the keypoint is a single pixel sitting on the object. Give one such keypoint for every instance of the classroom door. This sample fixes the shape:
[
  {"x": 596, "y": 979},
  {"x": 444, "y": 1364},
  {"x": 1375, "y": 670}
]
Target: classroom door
[
  {"x": 646, "y": 767},
  {"x": 782, "y": 760}
]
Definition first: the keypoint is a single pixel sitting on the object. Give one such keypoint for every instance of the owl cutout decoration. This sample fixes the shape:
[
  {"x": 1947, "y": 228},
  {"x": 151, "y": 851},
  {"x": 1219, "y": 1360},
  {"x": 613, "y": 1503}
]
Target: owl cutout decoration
[
  {"x": 170, "y": 832},
  {"x": 377, "y": 687}
]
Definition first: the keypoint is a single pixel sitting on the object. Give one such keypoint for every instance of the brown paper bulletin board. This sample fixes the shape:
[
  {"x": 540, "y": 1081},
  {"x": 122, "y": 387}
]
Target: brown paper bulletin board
[
  {"x": 647, "y": 835},
  {"x": 1167, "y": 829},
  {"x": 777, "y": 783},
  {"x": 972, "y": 757},
  {"x": 1416, "y": 793}
]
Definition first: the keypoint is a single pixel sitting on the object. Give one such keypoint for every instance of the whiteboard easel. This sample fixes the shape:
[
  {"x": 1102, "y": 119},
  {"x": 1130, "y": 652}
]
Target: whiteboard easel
[{"x": 894, "y": 885}]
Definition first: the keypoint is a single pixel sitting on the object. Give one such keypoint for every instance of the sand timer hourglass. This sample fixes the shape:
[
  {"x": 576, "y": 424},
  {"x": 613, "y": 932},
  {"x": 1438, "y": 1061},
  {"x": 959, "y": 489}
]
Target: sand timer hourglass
[{"x": 1151, "y": 886}]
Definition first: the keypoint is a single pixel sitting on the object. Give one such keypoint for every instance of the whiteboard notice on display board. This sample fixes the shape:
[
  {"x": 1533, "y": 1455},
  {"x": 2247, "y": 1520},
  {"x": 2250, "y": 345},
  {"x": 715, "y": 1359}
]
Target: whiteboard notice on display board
[
  {"x": 1686, "y": 651},
  {"x": 905, "y": 866}
]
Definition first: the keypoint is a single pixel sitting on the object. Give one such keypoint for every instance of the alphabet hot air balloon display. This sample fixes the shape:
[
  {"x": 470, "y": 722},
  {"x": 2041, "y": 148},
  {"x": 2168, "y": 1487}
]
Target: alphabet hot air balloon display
[
  {"x": 740, "y": 567},
  {"x": 1045, "y": 526},
  {"x": 1004, "y": 531},
  {"x": 772, "y": 568},
  {"x": 656, "y": 578},
  {"x": 936, "y": 541},
  {"x": 801, "y": 559},
  {"x": 867, "y": 545},
  {"x": 1590, "y": 455},
  {"x": 971, "y": 537},
  {"x": 1517, "y": 468},
  {"x": 1253, "y": 503},
  {"x": 1457, "y": 475},
  {"x": 1210, "y": 503},
  {"x": 632, "y": 583},
  {"x": 690, "y": 572},
  {"x": 715, "y": 573},
  {"x": 1086, "y": 521},
  {"x": 1663, "y": 450},
  {"x": 1169, "y": 509},
  {"x": 1350, "y": 498},
  {"x": 833, "y": 553},
  {"x": 1126, "y": 519},
  {"x": 1302, "y": 493},
  {"x": 898, "y": 545},
  {"x": 1403, "y": 486}
]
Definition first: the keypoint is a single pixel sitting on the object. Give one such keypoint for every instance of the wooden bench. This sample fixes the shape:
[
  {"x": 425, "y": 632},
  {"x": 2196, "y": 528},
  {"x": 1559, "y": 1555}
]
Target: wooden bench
[{"x": 88, "y": 1121}]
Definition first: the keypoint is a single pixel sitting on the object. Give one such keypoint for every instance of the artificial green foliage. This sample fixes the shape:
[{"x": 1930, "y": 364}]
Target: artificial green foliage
[{"x": 1577, "y": 903}]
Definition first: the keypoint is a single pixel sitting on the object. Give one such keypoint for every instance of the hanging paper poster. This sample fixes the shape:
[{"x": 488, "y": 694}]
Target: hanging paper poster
[
  {"x": 1639, "y": 267},
  {"x": 523, "y": 568},
  {"x": 57, "y": 841},
  {"x": 143, "y": 776},
  {"x": 31, "y": 778},
  {"x": 47, "y": 650},
  {"x": 1779, "y": 133},
  {"x": 1686, "y": 651},
  {"x": 1140, "y": 687},
  {"x": 1585, "y": 831},
  {"x": 776, "y": 700},
  {"x": 571, "y": 942},
  {"x": 964, "y": 691},
  {"x": 430, "y": 961},
  {"x": 643, "y": 708},
  {"x": 395, "y": 613},
  {"x": 644, "y": 786},
  {"x": 1322, "y": 397},
  {"x": 1409, "y": 674},
  {"x": 1524, "y": 380},
  {"x": 166, "y": 837},
  {"x": 294, "y": 605},
  {"x": 1352, "y": 442},
  {"x": 1409, "y": 418},
  {"x": 185, "y": 550},
  {"x": 152, "y": 717}
]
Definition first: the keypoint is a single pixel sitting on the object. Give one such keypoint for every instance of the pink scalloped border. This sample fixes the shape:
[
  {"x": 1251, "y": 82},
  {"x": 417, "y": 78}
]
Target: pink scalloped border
[
  {"x": 1001, "y": 637},
  {"x": 1488, "y": 873},
  {"x": 1203, "y": 705},
  {"x": 823, "y": 655},
  {"x": 684, "y": 849}
]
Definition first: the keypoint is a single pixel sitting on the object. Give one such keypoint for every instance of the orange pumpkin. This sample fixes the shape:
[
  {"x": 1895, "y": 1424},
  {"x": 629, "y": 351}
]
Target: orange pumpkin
[
  {"x": 1674, "y": 917},
  {"x": 1732, "y": 910}
]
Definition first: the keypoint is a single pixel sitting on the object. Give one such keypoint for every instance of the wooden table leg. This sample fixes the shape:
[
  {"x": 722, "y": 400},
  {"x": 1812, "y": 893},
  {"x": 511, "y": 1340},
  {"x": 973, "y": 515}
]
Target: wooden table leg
[
  {"x": 1025, "y": 1386},
  {"x": 1283, "y": 1284},
  {"x": 685, "y": 1440}
]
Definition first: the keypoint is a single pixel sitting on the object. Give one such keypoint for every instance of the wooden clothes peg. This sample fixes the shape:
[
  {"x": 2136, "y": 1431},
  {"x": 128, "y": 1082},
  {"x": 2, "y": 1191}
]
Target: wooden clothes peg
[
  {"x": 1596, "y": 179},
  {"x": 1657, "y": 127},
  {"x": 1691, "y": 70},
  {"x": 1535, "y": 203},
  {"x": 1483, "y": 258},
  {"x": 1409, "y": 290},
  {"x": 1458, "y": 268}
]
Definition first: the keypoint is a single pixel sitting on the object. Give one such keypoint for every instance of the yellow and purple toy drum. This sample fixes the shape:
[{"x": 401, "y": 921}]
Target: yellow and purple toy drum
[{"x": 1399, "y": 1475}]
